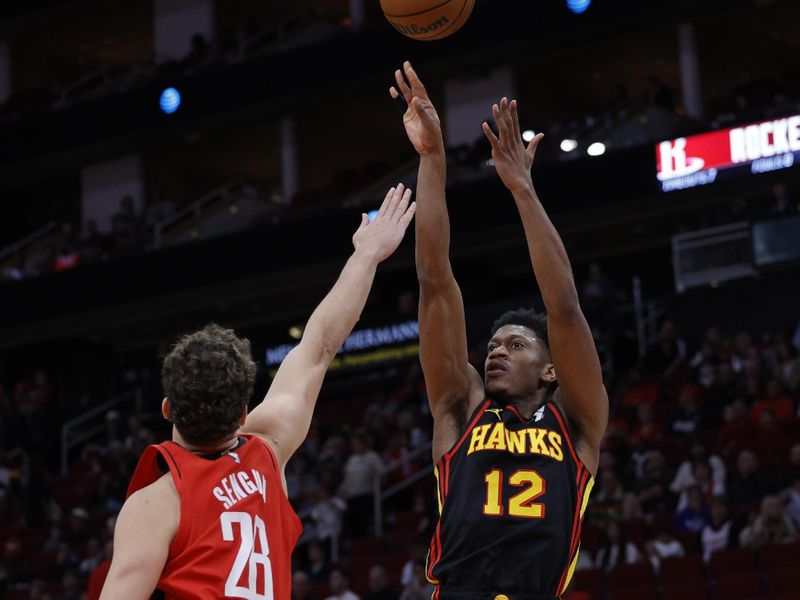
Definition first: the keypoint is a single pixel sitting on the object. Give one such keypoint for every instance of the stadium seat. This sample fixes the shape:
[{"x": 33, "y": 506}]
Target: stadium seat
[
  {"x": 739, "y": 586},
  {"x": 776, "y": 556},
  {"x": 628, "y": 576},
  {"x": 647, "y": 592},
  {"x": 589, "y": 580},
  {"x": 730, "y": 561},
  {"x": 680, "y": 568},
  {"x": 695, "y": 589},
  {"x": 636, "y": 531},
  {"x": 785, "y": 580}
]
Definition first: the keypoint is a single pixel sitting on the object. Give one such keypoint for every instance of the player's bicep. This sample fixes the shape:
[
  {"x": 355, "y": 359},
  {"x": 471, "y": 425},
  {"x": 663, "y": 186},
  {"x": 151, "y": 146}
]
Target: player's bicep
[
  {"x": 144, "y": 531},
  {"x": 578, "y": 371},
  {"x": 443, "y": 344},
  {"x": 284, "y": 416}
]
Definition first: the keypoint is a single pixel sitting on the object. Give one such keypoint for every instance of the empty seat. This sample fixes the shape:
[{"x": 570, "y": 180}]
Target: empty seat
[
  {"x": 730, "y": 561},
  {"x": 636, "y": 575},
  {"x": 739, "y": 586},
  {"x": 678, "y": 568},
  {"x": 647, "y": 592},
  {"x": 695, "y": 589},
  {"x": 776, "y": 556},
  {"x": 589, "y": 580}
]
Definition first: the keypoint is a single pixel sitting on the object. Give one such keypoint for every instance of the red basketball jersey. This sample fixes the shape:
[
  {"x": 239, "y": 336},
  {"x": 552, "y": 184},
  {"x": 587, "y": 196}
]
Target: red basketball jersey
[{"x": 237, "y": 529}]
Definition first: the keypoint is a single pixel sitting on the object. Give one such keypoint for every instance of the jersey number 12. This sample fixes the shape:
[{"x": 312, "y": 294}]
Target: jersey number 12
[
  {"x": 251, "y": 531},
  {"x": 519, "y": 505}
]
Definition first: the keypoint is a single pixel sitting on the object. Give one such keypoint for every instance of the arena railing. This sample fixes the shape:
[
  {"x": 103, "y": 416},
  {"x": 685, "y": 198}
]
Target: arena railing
[
  {"x": 29, "y": 240},
  {"x": 92, "y": 423},
  {"x": 379, "y": 495}
]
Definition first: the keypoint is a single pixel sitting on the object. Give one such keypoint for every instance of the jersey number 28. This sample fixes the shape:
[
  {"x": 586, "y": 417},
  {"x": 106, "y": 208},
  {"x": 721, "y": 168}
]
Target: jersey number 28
[{"x": 253, "y": 532}]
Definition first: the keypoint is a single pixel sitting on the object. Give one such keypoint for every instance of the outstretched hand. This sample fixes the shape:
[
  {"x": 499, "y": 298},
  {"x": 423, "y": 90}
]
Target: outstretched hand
[
  {"x": 382, "y": 237},
  {"x": 421, "y": 121},
  {"x": 512, "y": 159}
]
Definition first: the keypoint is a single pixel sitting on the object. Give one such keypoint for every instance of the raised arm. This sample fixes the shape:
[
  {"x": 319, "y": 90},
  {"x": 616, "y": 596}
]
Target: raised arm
[
  {"x": 574, "y": 355},
  {"x": 452, "y": 384},
  {"x": 284, "y": 416}
]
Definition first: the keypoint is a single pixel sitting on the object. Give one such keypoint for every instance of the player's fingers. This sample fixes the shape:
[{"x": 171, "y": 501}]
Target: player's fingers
[
  {"x": 515, "y": 119},
  {"x": 500, "y": 122},
  {"x": 487, "y": 131},
  {"x": 397, "y": 196},
  {"x": 419, "y": 107},
  {"x": 386, "y": 201},
  {"x": 402, "y": 85},
  {"x": 531, "y": 149},
  {"x": 505, "y": 113},
  {"x": 399, "y": 99},
  {"x": 364, "y": 221},
  {"x": 402, "y": 205},
  {"x": 408, "y": 215},
  {"x": 416, "y": 83}
]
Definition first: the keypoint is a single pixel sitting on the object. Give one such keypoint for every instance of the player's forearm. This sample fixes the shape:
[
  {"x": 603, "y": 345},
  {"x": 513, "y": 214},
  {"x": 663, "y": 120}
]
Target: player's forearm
[
  {"x": 339, "y": 311},
  {"x": 549, "y": 258},
  {"x": 432, "y": 220}
]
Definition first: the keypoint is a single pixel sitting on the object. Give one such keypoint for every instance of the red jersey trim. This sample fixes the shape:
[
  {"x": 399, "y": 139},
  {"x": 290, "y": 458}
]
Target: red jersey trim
[
  {"x": 476, "y": 416},
  {"x": 565, "y": 431}
]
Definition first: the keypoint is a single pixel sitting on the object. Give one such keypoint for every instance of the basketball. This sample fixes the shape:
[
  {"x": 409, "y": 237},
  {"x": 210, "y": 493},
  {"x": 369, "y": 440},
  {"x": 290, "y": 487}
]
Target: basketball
[{"x": 427, "y": 20}]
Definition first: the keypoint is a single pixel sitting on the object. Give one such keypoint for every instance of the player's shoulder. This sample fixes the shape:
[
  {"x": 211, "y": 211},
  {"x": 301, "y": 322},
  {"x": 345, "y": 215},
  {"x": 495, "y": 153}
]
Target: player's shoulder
[{"x": 161, "y": 495}]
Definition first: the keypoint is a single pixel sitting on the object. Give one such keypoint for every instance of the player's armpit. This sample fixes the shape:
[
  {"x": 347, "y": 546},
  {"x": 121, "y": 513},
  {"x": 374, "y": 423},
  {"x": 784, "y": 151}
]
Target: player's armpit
[
  {"x": 145, "y": 529},
  {"x": 578, "y": 371}
]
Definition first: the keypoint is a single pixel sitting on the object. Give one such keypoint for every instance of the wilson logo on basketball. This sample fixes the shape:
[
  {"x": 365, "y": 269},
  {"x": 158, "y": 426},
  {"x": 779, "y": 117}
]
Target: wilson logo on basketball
[{"x": 417, "y": 30}]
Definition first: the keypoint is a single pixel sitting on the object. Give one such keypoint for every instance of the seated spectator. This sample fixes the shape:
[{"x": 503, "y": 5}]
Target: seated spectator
[
  {"x": 687, "y": 419},
  {"x": 747, "y": 485},
  {"x": 694, "y": 516},
  {"x": 616, "y": 550},
  {"x": 788, "y": 365},
  {"x": 318, "y": 568},
  {"x": 720, "y": 533},
  {"x": 94, "y": 556},
  {"x": 361, "y": 471},
  {"x": 667, "y": 353},
  {"x": 774, "y": 401},
  {"x": 14, "y": 569},
  {"x": 685, "y": 475},
  {"x": 327, "y": 514},
  {"x": 663, "y": 546},
  {"x": 610, "y": 500},
  {"x": 791, "y": 497},
  {"x": 339, "y": 583},
  {"x": 648, "y": 428},
  {"x": 585, "y": 561},
  {"x": 64, "y": 562},
  {"x": 419, "y": 588},
  {"x": 653, "y": 494},
  {"x": 379, "y": 588},
  {"x": 782, "y": 203},
  {"x": 771, "y": 526},
  {"x": 701, "y": 473},
  {"x": 70, "y": 588},
  {"x": 301, "y": 586}
]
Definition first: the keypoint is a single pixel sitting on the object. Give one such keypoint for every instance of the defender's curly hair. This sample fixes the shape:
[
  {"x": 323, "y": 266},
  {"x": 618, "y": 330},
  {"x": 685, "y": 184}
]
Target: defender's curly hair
[
  {"x": 527, "y": 317},
  {"x": 208, "y": 378}
]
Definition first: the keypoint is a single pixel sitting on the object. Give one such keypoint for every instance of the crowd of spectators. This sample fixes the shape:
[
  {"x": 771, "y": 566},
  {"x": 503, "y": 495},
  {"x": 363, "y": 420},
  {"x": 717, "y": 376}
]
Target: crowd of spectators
[{"x": 702, "y": 455}]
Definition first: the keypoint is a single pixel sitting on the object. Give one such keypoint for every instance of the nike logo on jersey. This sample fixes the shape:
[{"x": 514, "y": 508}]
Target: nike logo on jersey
[
  {"x": 524, "y": 441},
  {"x": 497, "y": 411},
  {"x": 240, "y": 485}
]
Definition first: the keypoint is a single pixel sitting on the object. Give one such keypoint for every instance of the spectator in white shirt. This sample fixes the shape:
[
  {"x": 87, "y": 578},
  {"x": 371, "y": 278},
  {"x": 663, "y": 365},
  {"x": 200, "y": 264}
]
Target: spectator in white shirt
[
  {"x": 663, "y": 546},
  {"x": 616, "y": 550},
  {"x": 362, "y": 471},
  {"x": 720, "y": 534}
]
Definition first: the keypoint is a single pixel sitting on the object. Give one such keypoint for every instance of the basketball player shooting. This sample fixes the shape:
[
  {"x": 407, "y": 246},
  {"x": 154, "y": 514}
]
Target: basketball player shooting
[
  {"x": 207, "y": 514},
  {"x": 514, "y": 463}
]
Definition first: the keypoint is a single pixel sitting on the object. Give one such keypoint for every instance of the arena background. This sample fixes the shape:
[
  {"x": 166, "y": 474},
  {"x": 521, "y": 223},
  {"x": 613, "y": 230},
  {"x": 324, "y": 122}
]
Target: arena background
[{"x": 167, "y": 163}]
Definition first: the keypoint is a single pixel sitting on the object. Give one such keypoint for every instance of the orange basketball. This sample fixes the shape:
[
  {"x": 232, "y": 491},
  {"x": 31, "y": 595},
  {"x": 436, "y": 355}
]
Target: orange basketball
[{"x": 427, "y": 19}]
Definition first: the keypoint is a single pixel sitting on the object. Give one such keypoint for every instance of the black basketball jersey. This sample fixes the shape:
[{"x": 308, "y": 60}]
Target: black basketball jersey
[{"x": 512, "y": 493}]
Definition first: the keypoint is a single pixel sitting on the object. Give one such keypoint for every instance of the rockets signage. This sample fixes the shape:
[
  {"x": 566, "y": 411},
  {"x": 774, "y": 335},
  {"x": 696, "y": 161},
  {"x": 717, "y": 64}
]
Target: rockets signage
[{"x": 702, "y": 159}]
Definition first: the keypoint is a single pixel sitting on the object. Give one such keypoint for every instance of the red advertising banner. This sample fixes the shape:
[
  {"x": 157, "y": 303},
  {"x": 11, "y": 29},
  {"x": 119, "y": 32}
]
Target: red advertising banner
[{"x": 698, "y": 159}]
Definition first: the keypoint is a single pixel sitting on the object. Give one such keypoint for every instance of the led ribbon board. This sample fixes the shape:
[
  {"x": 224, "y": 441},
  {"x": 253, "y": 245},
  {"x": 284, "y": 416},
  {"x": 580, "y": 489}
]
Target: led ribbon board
[{"x": 695, "y": 160}]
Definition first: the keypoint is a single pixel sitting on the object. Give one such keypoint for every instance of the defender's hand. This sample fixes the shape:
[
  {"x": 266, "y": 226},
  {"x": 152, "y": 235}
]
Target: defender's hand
[
  {"x": 512, "y": 159},
  {"x": 421, "y": 121},
  {"x": 381, "y": 238}
]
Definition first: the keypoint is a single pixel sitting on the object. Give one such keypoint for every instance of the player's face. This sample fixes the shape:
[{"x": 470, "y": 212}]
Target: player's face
[{"x": 517, "y": 364}]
